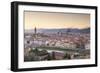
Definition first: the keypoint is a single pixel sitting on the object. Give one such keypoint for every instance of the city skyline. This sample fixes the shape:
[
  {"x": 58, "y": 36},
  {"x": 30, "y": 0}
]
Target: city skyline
[{"x": 52, "y": 20}]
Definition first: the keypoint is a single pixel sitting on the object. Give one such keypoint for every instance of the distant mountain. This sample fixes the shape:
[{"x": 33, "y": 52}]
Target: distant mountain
[
  {"x": 87, "y": 30},
  {"x": 68, "y": 30}
]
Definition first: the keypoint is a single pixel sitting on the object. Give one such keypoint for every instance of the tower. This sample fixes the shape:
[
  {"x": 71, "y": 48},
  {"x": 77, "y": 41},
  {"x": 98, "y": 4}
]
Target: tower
[{"x": 35, "y": 30}]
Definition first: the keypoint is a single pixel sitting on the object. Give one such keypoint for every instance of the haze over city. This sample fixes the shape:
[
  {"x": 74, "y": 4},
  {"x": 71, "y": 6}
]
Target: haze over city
[{"x": 56, "y": 36}]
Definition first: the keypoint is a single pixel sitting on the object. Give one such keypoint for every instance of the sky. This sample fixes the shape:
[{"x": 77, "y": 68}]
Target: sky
[{"x": 55, "y": 20}]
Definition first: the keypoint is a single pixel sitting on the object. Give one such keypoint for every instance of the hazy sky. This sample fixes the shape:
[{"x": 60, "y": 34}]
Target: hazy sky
[{"x": 48, "y": 20}]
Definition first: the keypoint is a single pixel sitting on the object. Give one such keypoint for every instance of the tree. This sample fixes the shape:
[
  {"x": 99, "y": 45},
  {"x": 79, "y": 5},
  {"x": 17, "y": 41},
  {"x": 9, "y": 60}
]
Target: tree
[{"x": 67, "y": 56}]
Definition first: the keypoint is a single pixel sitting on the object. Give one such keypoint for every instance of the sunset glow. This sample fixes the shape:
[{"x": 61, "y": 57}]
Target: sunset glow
[{"x": 50, "y": 20}]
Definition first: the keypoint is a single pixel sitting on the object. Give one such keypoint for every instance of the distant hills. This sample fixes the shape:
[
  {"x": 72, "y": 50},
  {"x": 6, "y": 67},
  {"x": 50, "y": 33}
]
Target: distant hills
[{"x": 68, "y": 30}]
